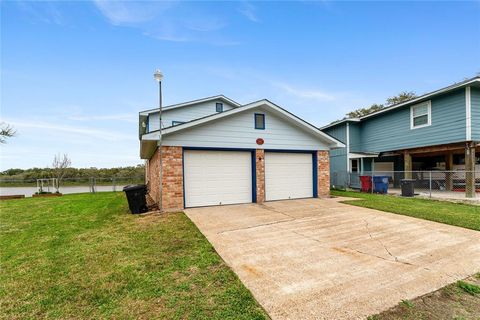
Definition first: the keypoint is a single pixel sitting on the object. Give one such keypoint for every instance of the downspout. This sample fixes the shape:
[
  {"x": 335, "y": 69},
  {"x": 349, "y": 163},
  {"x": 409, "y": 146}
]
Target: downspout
[
  {"x": 468, "y": 105},
  {"x": 348, "y": 152},
  {"x": 348, "y": 147}
]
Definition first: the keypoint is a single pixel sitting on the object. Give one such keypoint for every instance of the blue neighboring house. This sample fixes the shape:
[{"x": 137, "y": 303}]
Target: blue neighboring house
[{"x": 439, "y": 130}]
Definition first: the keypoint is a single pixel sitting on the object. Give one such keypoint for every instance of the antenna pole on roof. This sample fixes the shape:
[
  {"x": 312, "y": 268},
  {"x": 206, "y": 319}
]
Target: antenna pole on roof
[{"x": 158, "y": 76}]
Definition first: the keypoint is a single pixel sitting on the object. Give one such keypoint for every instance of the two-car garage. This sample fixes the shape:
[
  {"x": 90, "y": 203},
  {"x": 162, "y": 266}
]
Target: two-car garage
[
  {"x": 218, "y": 177},
  {"x": 254, "y": 153}
]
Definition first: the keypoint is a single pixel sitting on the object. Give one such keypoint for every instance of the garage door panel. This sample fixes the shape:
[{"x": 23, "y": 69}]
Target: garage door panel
[
  {"x": 288, "y": 175},
  {"x": 217, "y": 177}
]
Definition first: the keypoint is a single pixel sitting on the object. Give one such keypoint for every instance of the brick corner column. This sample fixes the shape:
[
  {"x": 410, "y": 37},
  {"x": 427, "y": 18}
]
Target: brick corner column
[
  {"x": 323, "y": 173},
  {"x": 152, "y": 171},
  {"x": 172, "y": 178},
  {"x": 260, "y": 173}
]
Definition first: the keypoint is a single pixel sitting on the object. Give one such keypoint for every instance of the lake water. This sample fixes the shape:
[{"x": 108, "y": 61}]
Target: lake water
[{"x": 29, "y": 191}]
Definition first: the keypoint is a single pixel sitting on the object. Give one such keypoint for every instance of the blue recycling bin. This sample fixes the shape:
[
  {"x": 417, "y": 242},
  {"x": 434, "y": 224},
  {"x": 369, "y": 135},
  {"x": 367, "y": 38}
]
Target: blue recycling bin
[{"x": 380, "y": 184}]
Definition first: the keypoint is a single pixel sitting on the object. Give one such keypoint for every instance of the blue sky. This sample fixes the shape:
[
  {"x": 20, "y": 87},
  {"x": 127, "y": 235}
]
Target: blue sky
[{"x": 75, "y": 74}]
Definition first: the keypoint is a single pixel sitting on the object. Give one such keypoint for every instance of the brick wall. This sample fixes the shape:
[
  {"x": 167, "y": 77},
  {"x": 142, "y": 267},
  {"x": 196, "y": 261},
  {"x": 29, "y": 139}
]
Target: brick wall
[
  {"x": 323, "y": 173},
  {"x": 260, "y": 173},
  {"x": 153, "y": 176},
  {"x": 172, "y": 165},
  {"x": 172, "y": 176},
  {"x": 147, "y": 175}
]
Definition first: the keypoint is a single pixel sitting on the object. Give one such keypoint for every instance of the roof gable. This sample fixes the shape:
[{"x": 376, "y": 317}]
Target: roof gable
[{"x": 278, "y": 111}]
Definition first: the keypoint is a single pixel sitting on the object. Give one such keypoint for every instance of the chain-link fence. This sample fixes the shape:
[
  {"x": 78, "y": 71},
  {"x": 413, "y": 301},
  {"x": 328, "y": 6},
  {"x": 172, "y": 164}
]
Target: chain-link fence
[
  {"x": 28, "y": 187},
  {"x": 435, "y": 183}
]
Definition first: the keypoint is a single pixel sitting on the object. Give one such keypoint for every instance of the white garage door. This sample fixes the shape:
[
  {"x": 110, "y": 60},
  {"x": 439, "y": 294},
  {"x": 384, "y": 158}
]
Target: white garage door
[
  {"x": 217, "y": 177},
  {"x": 288, "y": 175}
]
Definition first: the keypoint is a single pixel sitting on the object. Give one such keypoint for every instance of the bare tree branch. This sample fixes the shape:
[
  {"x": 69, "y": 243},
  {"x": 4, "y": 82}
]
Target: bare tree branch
[{"x": 60, "y": 165}]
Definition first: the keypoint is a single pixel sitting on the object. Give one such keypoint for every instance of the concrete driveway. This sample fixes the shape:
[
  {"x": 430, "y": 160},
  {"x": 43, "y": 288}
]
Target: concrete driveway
[{"x": 320, "y": 259}]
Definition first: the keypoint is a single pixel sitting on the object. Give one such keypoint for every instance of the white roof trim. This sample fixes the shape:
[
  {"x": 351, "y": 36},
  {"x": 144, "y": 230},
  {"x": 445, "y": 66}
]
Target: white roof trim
[
  {"x": 362, "y": 155},
  {"x": 190, "y": 103},
  {"x": 332, "y": 142},
  {"x": 340, "y": 121}
]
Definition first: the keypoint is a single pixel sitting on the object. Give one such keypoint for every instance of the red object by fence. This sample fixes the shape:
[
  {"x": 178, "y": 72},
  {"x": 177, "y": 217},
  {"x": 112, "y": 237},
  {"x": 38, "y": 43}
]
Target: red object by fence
[{"x": 366, "y": 183}]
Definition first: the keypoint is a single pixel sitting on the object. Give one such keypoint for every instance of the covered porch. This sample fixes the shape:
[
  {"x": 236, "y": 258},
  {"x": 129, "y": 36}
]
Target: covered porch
[{"x": 453, "y": 168}]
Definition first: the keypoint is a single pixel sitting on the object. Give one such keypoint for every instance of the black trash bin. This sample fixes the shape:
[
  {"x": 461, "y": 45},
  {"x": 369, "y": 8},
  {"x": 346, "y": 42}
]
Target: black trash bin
[
  {"x": 136, "y": 196},
  {"x": 408, "y": 189}
]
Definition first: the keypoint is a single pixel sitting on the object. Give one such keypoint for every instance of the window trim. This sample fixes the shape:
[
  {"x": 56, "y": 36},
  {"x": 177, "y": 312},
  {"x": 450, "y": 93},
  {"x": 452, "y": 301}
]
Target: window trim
[
  {"x": 357, "y": 166},
  {"x": 429, "y": 114},
  {"x": 217, "y": 104},
  {"x": 176, "y": 123},
  {"x": 255, "y": 121}
]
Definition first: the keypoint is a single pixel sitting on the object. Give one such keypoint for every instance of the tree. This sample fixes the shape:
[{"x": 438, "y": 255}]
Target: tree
[
  {"x": 364, "y": 111},
  {"x": 6, "y": 131},
  {"x": 401, "y": 97},
  {"x": 60, "y": 167}
]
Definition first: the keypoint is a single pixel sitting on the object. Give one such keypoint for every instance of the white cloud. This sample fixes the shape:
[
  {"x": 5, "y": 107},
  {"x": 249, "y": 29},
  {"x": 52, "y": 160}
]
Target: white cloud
[
  {"x": 249, "y": 11},
  {"x": 127, "y": 117},
  {"x": 46, "y": 12},
  {"x": 55, "y": 128},
  {"x": 38, "y": 140},
  {"x": 303, "y": 93},
  {"x": 131, "y": 12},
  {"x": 204, "y": 24},
  {"x": 168, "y": 20}
]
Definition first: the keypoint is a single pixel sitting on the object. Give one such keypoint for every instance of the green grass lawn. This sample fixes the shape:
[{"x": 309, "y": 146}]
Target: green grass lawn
[
  {"x": 462, "y": 215},
  {"x": 457, "y": 214},
  {"x": 85, "y": 257}
]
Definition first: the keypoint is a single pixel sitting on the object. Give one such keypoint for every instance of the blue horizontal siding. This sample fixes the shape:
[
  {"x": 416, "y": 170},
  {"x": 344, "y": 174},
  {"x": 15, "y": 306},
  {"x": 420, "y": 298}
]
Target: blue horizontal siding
[
  {"x": 338, "y": 157},
  {"x": 185, "y": 114},
  {"x": 475, "y": 98},
  {"x": 391, "y": 130},
  {"x": 340, "y": 133},
  {"x": 355, "y": 137},
  {"x": 238, "y": 131}
]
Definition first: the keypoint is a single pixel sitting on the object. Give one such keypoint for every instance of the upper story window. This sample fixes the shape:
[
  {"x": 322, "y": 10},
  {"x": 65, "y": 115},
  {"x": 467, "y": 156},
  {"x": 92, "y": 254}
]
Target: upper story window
[
  {"x": 259, "y": 121},
  {"x": 421, "y": 115},
  {"x": 219, "y": 107},
  {"x": 176, "y": 123}
]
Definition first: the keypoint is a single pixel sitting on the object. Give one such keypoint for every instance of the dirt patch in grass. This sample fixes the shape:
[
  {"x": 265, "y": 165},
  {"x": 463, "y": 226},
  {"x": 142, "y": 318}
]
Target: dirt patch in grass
[{"x": 456, "y": 301}]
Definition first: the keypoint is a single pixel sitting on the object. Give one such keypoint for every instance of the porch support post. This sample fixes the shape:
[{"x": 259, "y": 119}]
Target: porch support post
[
  {"x": 470, "y": 168},
  {"x": 449, "y": 167},
  {"x": 407, "y": 159}
]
